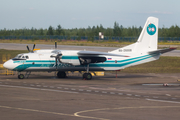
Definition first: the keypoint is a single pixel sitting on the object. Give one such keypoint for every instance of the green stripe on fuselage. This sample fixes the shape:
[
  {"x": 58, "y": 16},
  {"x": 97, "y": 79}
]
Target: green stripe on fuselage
[
  {"x": 40, "y": 63},
  {"x": 70, "y": 57}
]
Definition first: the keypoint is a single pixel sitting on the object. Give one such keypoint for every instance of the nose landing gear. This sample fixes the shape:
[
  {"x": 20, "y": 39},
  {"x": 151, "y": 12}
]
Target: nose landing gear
[{"x": 21, "y": 76}]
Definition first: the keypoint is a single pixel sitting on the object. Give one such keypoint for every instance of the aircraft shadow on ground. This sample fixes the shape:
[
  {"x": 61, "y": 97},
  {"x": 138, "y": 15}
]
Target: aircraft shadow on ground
[{"x": 70, "y": 77}]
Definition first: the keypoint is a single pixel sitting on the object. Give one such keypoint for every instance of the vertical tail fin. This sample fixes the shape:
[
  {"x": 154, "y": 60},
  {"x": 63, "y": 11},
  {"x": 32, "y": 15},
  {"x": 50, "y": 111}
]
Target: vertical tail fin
[{"x": 147, "y": 40}]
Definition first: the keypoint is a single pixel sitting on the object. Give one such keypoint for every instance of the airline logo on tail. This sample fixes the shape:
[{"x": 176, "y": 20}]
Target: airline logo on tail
[{"x": 151, "y": 29}]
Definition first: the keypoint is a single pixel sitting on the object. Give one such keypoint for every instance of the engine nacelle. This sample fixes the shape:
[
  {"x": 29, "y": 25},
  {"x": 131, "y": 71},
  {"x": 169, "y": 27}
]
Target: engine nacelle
[
  {"x": 73, "y": 60},
  {"x": 69, "y": 57}
]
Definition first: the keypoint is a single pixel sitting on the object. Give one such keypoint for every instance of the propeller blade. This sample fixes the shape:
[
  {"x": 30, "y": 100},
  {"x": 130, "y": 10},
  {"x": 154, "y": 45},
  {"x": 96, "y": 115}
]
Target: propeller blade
[
  {"x": 33, "y": 47},
  {"x": 28, "y": 48},
  {"x": 55, "y": 45},
  {"x": 56, "y": 63}
]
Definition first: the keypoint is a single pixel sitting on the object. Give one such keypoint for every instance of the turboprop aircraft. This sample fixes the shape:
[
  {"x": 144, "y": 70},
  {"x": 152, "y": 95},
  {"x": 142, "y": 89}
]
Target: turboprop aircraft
[{"x": 142, "y": 51}]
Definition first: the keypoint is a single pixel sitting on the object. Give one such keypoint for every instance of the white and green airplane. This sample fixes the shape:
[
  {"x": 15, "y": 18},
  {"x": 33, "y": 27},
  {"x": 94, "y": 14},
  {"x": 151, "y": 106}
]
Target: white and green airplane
[{"x": 142, "y": 51}]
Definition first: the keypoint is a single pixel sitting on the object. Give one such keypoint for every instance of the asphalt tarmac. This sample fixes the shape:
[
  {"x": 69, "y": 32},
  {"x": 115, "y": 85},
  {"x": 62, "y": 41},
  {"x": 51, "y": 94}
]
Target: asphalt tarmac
[
  {"x": 129, "y": 97},
  {"x": 14, "y": 46}
]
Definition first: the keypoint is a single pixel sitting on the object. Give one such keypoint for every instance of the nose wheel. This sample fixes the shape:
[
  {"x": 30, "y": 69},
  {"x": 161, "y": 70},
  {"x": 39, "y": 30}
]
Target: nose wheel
[{"x": 21, "y": 76}]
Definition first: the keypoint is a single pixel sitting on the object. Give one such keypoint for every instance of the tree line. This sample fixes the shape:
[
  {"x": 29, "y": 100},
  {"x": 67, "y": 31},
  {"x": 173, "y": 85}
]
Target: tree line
[{"x": 90, "y": 32}]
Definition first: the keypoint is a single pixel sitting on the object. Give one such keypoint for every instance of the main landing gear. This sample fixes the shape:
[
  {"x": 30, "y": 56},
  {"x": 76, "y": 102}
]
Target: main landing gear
[{"x": 87, "y": 76}]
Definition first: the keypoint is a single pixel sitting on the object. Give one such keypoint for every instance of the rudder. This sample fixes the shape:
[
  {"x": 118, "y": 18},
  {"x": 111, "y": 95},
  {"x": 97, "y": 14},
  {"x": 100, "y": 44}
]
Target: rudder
[{"x": 147, "y": 40}]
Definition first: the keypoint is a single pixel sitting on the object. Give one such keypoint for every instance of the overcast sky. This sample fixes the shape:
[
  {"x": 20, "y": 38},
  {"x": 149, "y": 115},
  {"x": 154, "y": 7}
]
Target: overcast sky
[{"x": 16, "y": 14}]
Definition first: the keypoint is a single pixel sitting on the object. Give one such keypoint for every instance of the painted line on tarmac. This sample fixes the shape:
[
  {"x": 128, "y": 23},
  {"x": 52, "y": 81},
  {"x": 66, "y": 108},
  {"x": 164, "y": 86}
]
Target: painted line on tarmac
[
  {"x": 129, "y": 94},
  {"x": 81, "y": 90},
  {"x": 48, "y": 112},
  {"x": 137, "y": 95},
  {"x": 40, "y": 87},
  {"x": 37, "y": 89},
  {"x": 122, "y": 108},
  {"x": 38, "y": 111},
  {"x": 163, "y": 101}
]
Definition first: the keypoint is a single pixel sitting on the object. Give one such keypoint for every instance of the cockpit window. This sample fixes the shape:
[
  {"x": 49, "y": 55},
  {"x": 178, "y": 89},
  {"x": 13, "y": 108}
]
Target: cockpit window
[
  {"x": 21, "y": 57},
  {"x": 18, "y": 56},
  {"x": 27, "y": 57}
]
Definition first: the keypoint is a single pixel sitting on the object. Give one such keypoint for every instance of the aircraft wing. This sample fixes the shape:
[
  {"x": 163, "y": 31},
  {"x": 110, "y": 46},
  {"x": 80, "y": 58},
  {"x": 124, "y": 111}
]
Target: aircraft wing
[
  {"x": 87, "y": 57},
  {"x": 162, "y": 50},
  {"x": 94, "y": 53}
]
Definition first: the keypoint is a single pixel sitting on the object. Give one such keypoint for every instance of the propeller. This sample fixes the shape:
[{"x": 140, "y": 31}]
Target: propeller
[
  {"x": 55, "y": 45},
  {"x": 56, "y": 63},
  {"x": 33, "y": 47},
  {"x": 57, "y": 55},
  {"x": 29, "y": 49},
  {"x": 58, "y": 58}
]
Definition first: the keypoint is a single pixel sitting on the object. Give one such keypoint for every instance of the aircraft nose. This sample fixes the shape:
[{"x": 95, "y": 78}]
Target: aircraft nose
[{"x": 8, "y": 64}]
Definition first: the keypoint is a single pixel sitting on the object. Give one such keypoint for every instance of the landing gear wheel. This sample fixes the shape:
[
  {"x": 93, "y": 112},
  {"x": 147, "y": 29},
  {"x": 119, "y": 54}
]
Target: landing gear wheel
[
  {"x": 87, "y": 76},
  {"x": 61, "y": 74},
  {"x": 84, "y": 75},
  {"x": 21, "y": 76}
]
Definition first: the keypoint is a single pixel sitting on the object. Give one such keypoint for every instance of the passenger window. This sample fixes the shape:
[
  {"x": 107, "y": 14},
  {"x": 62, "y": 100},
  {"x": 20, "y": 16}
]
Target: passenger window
[{"x": 22, "y": 56}]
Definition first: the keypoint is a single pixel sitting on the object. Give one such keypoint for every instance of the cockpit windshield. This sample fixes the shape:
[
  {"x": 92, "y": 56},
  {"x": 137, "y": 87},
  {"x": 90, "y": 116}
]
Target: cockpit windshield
[{"x": 21, "y": 57}]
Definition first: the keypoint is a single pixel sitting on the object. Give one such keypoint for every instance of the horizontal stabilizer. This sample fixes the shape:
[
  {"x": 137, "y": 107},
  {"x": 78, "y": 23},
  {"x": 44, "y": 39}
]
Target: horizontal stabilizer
[{"x": 162, "y": 50}]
